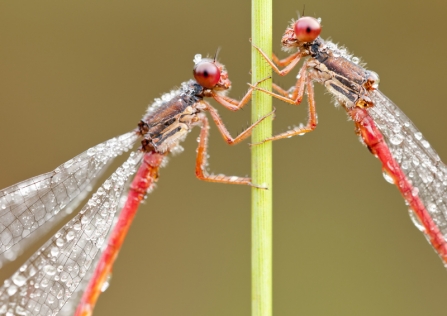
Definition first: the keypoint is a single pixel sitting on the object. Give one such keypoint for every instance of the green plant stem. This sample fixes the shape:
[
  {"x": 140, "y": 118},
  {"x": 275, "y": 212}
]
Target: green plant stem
[{"x": 261, "y": 260}]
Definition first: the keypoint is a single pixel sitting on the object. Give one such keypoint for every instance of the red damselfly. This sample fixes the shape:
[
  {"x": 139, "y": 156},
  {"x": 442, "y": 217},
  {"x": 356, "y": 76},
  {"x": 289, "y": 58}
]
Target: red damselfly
[
  {"x": 408, "y": 161},
  {"x": 79, "y": 257}
]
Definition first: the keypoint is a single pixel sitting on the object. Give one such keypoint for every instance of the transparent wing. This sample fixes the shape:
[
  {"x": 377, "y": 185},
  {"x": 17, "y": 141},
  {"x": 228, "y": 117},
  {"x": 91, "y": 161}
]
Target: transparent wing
[
  {"x": 49, "y": 278},
  {"x": 73, "y": 302},
  {"x": 420, "y": 163},
  {"x": 27, "y": 205}
]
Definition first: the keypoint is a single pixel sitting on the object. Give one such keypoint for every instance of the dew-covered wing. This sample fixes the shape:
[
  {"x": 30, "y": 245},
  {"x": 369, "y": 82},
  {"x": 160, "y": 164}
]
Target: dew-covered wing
[
  {"x": 418, "y": 160},
  {"x": 27, "y": 205},
  {"x": 47, "y": 280}
]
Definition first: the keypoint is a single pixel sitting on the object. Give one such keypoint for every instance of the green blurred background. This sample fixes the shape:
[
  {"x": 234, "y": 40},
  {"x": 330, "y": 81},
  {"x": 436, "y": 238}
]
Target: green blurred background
[{"x": 76, "y": 73}]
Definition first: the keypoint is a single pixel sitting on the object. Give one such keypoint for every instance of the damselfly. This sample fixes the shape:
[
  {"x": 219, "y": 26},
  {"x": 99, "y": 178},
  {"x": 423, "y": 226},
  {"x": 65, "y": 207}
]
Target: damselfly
[
  {"x": 81, "y": 254},
  {"x": 407, "y": 158}
]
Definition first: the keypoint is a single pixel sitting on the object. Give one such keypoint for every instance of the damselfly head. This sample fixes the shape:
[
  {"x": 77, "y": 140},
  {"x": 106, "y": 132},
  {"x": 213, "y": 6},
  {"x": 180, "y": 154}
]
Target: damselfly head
[
  {"x": 304, "y": 30},
  {"x": 211, "y": 74}
]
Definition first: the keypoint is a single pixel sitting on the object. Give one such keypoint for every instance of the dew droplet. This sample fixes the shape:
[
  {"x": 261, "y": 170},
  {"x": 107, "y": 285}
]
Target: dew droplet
[
  {"x": 415, "y": 191},
  {"x": 405, "y": 165},
  {"x": 44, "y": 283},
  {"x": 11, "y": 290},
  {"x": 70, "y": 235},
  {"x": 91, "y": 151},
  {"x": 106, "y": 283},
  {"x": 396, "y": 139},
  {"x": 415, "y": 161},
  {"x": 107, "y": 184},
  {"x": 416, "y": 220},
  {"x": 100, "y": 242},
  {"x": 84, "y": 220},
  {"x": 20, "y": 311},
  {"x": 387, "y": 176},
  {"x": 397, "y": 128},
  {"x": 374, "y": 78},
  {"x": 18, "y": 279},
  {"x": 197, "y": 58},
  {"x": 60, "y": 242},
  {"x": 64, "y": 276},
  {"x": 54, "y": 251},
  {"x": 49, "y": 269},
  {"x": 32, "y": 271}
]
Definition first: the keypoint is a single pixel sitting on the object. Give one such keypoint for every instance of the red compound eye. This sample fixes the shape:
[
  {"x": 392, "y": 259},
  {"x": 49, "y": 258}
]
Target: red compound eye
[
  {"x": 307, "y": 29},
  {"x": 207, "y": 74}
]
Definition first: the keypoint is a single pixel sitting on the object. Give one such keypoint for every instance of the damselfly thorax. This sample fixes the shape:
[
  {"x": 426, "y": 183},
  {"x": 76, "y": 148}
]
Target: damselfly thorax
[{"x": 348, "y": 82}]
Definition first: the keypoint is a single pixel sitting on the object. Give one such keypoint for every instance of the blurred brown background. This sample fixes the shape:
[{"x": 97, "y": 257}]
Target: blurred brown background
[{"x": 76, "y": 73}]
